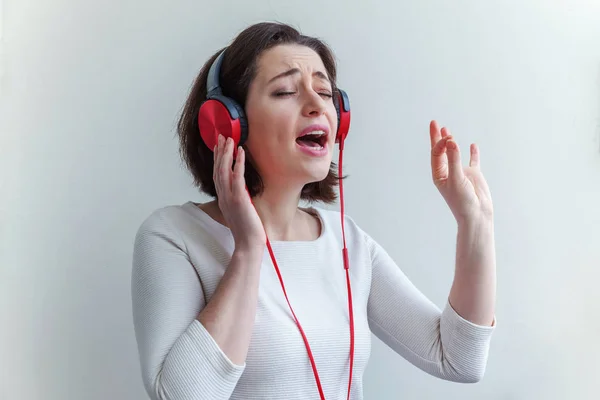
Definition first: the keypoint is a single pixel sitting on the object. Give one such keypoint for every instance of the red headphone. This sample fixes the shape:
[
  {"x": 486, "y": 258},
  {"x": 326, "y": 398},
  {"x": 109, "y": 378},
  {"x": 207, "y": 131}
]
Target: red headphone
[{"x": 220, "y": 114}]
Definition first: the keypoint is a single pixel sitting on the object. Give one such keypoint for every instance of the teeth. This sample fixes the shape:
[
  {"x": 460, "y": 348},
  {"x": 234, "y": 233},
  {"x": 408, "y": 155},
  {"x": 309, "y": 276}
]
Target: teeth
[{"x": 316, "y": 133}]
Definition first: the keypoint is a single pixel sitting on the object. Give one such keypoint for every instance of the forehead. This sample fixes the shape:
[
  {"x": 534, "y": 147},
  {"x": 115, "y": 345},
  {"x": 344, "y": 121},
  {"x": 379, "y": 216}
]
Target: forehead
[{"x": 284, "y": 57}]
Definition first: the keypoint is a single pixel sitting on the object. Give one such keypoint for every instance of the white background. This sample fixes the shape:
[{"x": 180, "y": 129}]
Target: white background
[{"x": 90, "y": 95}]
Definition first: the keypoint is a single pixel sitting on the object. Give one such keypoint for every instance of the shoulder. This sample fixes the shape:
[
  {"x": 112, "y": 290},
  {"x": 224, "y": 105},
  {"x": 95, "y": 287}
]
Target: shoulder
[
  {"x": 172, "y": 222},
  {"x": 184, "y": 226},
  {"x": 161, "y": 226},
  {"x": 163, "y": 219}
]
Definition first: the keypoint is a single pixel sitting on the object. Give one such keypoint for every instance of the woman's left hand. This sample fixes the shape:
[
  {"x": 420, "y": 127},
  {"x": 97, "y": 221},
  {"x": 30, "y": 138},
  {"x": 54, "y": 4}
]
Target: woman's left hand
[{"x": 464, "y": 188}]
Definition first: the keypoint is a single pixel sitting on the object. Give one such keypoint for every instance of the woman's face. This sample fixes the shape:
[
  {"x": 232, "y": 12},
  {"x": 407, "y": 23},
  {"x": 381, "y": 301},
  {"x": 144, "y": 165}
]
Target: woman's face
[{"x": 291, "y": 117}]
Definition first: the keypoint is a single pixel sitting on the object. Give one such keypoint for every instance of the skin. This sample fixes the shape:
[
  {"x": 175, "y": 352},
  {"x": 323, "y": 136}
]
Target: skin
[{"x": 278, "y": 108}]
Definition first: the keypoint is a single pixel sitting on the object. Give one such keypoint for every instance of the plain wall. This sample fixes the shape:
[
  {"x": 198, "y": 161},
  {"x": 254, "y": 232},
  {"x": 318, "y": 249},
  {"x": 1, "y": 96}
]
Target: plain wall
[{"x": 90, "y": 95}]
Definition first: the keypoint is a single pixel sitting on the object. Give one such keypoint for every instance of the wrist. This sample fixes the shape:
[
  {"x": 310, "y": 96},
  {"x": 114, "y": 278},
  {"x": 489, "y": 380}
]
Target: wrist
[
  {"x": 475, "y": 222},
  {"x": 249, "y": 251},
  {"x": 476, "y": 229}
]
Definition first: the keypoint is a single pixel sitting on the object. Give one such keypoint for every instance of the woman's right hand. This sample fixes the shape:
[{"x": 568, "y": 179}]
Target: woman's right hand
[{"x": 233, "y": 199}]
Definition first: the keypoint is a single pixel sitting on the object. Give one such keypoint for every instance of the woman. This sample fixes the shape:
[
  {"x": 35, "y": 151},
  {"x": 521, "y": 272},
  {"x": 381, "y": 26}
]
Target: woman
[{"x": 247, "y": 296}]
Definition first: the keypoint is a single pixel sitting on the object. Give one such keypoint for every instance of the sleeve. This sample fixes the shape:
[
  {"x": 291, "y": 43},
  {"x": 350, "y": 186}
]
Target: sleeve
[
  {"x": 179, "y": 358},
  {"x": 441, "y": 343}
]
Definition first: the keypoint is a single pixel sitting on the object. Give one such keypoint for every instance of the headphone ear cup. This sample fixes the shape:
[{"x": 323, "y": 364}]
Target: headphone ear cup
[
  {"x": 220, "y": 115},
  {"x": 342, "y": 107}
]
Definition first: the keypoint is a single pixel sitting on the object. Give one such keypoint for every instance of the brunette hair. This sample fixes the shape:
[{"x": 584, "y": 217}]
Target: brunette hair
[{"x": 237, "y": 72}]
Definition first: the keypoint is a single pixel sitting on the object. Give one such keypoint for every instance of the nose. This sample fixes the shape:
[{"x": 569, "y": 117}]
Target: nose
[{"x": 314, "y": 105}]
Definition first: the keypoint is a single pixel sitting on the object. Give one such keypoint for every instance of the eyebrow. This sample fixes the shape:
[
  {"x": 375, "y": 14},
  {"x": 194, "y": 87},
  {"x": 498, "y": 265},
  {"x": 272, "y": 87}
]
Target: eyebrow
[{"x": 294, "y": 71}]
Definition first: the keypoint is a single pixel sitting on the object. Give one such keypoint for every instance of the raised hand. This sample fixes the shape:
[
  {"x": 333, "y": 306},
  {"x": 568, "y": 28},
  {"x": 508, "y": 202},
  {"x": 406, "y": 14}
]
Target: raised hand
[
  {"x": 233, "y": 199},
  {"x": 464, "y": 188}
]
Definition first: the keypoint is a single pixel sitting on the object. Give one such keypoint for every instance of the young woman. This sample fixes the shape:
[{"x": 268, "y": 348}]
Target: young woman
[{"x": 250, "y": 296}]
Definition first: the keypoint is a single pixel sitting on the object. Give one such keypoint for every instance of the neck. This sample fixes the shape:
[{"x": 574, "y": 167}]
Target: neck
[{"x": 278, "y": 211}]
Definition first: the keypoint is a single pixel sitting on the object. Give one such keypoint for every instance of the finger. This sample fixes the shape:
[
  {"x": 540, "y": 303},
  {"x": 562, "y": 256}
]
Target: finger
[
  {"x": 474, "y": 160},
  {"x": 439, "y": 159},
  {"x": 445, "y": 132},
  {"x": 225, "y": 166},
  {"x": 239, "y": 183},
  {"x": 455, "y": 170},
  {"x": 217, "y": 165},
  {"x": 434, "y": 133},
  {"x": 219, "y": 151},
  {"x": 440, "y": 147},
  {"x": 215, "y": 151}
]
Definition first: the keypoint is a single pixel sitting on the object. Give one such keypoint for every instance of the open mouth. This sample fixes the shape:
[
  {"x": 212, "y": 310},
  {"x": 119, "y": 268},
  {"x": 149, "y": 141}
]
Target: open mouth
[{"x": 314, "y": 139}]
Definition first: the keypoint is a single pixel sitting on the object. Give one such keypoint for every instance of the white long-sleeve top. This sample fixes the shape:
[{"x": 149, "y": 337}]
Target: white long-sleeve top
[{"x": 181, "y": 253}]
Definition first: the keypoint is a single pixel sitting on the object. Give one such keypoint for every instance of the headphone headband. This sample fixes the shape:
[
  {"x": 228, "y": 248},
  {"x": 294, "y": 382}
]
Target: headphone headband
[{"x": 213, "y": 86}]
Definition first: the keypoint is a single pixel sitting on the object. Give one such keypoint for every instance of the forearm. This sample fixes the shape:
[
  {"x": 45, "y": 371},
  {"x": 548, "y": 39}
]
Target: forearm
[
  {"x": 439, "y": 342},
  {"x": 473, "y": 292},
  {"x": 229, "y": 315}
]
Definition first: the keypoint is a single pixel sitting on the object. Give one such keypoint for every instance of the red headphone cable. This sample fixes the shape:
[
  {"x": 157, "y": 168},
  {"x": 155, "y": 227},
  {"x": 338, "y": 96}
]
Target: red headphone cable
[{"x": 346, "y": 267}]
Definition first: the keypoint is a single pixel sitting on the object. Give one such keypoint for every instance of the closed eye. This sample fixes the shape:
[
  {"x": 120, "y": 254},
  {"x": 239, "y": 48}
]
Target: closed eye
[{"x": 284, "y": 94}]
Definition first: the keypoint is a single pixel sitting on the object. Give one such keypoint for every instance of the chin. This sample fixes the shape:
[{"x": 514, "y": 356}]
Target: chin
[
  {"x": 302, "y": 167},
  {"x": 317, "y": 173}
]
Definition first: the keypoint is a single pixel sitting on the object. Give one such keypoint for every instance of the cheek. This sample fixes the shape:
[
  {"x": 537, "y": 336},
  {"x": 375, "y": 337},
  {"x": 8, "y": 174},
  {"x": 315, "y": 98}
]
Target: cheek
[
  {"x": 269, "y": 125},
  {"x": 332, "y": 116}
]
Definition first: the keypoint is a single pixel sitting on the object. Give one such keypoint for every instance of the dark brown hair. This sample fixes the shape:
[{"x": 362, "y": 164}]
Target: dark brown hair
[{"x": 237, "y": 72}]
